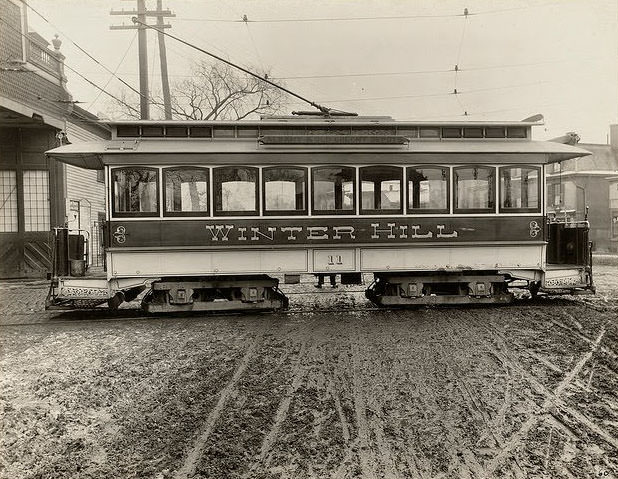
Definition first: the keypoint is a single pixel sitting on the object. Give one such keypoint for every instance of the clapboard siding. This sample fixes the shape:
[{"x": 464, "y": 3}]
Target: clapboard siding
[{"x": 83, "y": 185}]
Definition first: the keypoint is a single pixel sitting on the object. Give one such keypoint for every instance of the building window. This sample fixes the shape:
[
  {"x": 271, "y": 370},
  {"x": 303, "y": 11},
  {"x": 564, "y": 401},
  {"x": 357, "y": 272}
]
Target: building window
[
  {"x": 236, "y": 190},
  {"x": 428, "y": 190},
  {"x": 381, "y": 190},
  {"x": 520, "y": 189},
  {"x": 333, "y": 190},
  {"x": 8, "y": 205},
  {"x": 475, "y": 189},
  {"x": 135, "y": 192},
  {"x": 186, "y": 191},
  {"x": 285, "y": 190},
  {"x": 36, "y": 200}
]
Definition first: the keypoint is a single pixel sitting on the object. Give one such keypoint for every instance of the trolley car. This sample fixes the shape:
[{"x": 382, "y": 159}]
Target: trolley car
[{"x": 208, "y": 215}]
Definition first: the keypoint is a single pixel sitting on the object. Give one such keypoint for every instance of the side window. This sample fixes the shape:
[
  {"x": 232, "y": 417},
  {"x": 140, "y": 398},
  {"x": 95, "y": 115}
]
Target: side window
[
  {"x": 520, "y": 189},
  {"x": 135, "y": 192},
  {"x": 235, "y": 191},
  {"x": 381, "y": 190},
  {"x": 285, "y": 190},
  {"x": 428, "y": 189},
  {"x": 333, "y": 190},
  {"x": 36, "y": 200},
  {"x": 8, "y": 196},
  {"x": 186, "y": 191},
  {"x": 475, "y": 189}
]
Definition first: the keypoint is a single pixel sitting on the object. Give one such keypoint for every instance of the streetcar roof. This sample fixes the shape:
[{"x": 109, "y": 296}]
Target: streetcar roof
[{"x": 97, "y": 154}]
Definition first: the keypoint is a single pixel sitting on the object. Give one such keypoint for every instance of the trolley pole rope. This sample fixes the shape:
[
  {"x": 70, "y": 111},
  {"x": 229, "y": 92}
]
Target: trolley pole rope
[{"x": 323, "y": 109}]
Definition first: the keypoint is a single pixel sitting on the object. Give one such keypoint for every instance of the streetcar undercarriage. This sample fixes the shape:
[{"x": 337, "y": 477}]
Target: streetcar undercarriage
[{"x": 261, "y": 292}]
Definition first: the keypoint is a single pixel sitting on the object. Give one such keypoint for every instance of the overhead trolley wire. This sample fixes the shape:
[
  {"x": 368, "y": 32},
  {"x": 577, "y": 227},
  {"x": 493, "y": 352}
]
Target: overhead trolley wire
[
  {"x": 326, "y": 19},
  {"x": 429, "y": 95},
  {"x": 366, "y": 18}
]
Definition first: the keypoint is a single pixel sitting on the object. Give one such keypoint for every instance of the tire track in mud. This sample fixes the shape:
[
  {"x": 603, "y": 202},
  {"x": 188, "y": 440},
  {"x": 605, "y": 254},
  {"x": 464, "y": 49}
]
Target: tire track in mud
[
  {"x": 551, "y": 399},
  {"x": 506, "y": 358},
  {"x": 199, "y": 444},
  {"x": 466, "y": 459},
  {"x": 550, "y": 416},
  {"x": 541, "y": 389},
  {"x": 558, "y": 409},
  {"x": 299, "y": 373},
  {"x": 365, "y": 453},
  {"x": 582, "y": 336}
]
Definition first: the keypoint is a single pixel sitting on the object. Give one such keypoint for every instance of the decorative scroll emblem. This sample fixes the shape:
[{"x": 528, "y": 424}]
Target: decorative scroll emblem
[
  {"x": 534, "y": 229},
  {"x": 120, "y": 234}
]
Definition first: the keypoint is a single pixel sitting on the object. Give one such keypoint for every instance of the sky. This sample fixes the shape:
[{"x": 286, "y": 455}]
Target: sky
[{"x": 514, "y": 58}]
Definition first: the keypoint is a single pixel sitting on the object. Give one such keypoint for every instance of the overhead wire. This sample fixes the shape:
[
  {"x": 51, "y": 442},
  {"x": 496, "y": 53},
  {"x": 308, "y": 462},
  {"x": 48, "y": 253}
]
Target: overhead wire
[
  {"x": 72, "y": 69},
  {"x": 321, "y": 108},
  {"x": 429, "y": 95},
  {"x": 115, "y": 70},
  {"x": 393, "y": 73},
  {"x": 74, "y": 43},
  {"x": 364, "y": 18},
  {"x": 457, "y": 70}
]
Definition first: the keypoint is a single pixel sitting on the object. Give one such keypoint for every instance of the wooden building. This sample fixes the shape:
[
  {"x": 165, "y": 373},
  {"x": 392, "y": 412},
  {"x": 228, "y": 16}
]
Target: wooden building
[{"x": 37, "y": 113}]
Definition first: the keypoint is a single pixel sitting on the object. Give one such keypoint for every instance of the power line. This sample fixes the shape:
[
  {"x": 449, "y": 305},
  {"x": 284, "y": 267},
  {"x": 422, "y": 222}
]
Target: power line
[
  {"x": 330, "y": 19},
  {"x": 102, "y": 89},
  {"x": 365, "y": 74},
  {"x": 115, "y": 70},
  {"x": 323, "y": 109},
  {"x": 429, "y": 95},
  {"x": 367, "y": 18},
  {"x": 395, "y": 73},
  {"x": 84, "y": 51},
  {"x": 72, "y": 69}
]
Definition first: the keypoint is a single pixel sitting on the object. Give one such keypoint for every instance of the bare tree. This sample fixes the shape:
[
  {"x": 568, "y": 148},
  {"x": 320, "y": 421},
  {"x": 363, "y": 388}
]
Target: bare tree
[{"x": 214, "y": 91}]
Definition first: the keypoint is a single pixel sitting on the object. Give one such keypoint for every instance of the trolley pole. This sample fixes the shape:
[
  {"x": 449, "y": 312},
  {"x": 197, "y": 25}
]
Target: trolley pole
[{"x": 142, "y": 13}]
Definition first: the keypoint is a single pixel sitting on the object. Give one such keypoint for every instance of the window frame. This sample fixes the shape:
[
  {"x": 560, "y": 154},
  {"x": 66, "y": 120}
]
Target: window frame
[
  {"x": 254, "y": 212},
  {"x": 379, "y": 211},
  {"x": 11, "y": 203},
  {"x": 351, "y": 211},
  {"x": 490, "y": 209},
  {"x": 302, "y": 212},
  {"x": 502, "y": 209},
  {"x": 135, "y": 214},
  {"x": 164, "y": 188},
  {"x": 425, "y": 211}
]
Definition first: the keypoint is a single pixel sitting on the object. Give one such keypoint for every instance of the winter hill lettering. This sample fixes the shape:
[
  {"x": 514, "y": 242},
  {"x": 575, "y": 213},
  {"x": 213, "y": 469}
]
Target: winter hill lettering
[{"x": 345, "y": 233}]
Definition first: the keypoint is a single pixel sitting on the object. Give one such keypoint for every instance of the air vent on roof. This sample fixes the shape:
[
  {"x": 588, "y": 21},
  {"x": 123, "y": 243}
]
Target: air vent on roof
[
  {"x": 451, "y": 132},
  {"x": 494, "y": 132},
  {"x": 152, "y": 131},
  {"x": 127, "y": 131},
  {"x": 473, "y": 132},
  {"x": 176, "y": 131},
  {"x": 516, "y": 132},
  {"x": 201, "y": 132}
]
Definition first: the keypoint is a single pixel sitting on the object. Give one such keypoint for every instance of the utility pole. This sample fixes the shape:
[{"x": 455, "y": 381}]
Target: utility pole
[
  {"x": 142, "y": 13},
  {"x": 165, "y": 83}
]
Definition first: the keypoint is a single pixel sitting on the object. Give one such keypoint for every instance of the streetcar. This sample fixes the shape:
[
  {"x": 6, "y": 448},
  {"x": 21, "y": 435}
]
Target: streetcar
[{"x": 212, "y": 215}]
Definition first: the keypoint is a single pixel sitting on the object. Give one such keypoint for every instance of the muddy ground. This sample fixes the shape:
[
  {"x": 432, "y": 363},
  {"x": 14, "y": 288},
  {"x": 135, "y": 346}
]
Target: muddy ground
[{"x": 526, "y": 390}]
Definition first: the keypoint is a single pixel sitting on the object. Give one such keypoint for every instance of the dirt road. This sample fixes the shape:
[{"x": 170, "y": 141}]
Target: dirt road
[{"x": 528, "y": 390}]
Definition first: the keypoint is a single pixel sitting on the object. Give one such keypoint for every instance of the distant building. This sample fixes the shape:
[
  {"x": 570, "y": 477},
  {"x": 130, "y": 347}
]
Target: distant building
[
  {"x": 589, "y": 181},
  {"x": 37, "y": 113}
]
